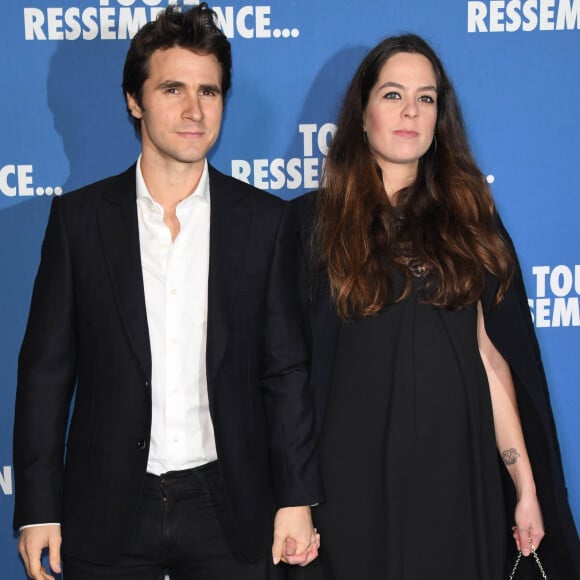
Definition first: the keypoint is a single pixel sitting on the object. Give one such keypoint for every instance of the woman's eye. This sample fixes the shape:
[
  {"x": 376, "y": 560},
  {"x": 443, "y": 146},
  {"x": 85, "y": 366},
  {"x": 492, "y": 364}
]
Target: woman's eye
[
  {"x": 427, "y": 99},
  {"x": 392, "y": 95}
]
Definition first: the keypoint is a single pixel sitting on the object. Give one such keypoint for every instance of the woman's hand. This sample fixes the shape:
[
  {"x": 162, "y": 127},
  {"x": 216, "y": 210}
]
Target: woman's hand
[{"x": 529, "y": 529}]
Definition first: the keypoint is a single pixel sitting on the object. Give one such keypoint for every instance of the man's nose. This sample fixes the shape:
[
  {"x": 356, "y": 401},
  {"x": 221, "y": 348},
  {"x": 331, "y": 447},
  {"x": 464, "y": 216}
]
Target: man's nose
[{"x": 192, "y": 109}]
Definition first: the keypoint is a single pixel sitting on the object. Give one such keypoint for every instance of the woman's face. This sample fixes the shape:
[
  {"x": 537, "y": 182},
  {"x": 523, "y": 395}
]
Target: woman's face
[{"x": 400, "y": 116}]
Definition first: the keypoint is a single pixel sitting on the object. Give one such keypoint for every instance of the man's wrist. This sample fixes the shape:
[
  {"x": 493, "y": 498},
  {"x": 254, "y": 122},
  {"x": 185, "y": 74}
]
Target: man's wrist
[{"x": 38, "y": 525}]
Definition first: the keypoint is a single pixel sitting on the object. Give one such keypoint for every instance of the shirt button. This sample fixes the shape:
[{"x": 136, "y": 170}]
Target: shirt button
[{"x": 141, "y": 443}]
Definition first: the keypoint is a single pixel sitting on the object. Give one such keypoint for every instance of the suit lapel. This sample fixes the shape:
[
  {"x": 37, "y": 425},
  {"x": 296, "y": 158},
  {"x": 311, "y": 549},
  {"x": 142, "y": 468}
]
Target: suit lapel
[
  {"x": 120, "y": 238},
  {"x": 228, "y": 238}
]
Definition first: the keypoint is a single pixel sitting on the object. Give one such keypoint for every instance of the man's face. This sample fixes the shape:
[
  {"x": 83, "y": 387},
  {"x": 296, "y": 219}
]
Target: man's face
[{"x": 181, "y": 107}]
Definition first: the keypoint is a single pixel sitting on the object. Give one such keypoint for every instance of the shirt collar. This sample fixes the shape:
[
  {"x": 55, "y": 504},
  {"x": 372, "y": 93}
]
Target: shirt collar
[{"x": 202, "y": 189}]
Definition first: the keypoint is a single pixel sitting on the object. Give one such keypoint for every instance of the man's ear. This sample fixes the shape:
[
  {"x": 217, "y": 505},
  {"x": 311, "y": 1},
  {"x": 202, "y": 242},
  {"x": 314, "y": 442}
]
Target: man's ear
[{"x": 133, "y": 106}]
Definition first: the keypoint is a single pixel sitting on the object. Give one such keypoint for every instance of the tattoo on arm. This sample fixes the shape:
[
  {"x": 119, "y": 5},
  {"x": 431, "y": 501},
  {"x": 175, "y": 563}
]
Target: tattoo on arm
[{"x": 510, "y": 456}]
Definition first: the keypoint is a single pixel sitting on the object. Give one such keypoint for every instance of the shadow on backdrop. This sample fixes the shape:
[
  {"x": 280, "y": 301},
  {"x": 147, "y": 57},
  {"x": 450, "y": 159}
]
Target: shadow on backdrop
[
  {"x": 89, "y": 111},
  {"x": 323, "y": 101}
]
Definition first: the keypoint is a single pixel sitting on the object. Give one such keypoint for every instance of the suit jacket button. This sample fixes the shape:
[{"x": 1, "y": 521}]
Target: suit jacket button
[{"x": 141, "y": 444}]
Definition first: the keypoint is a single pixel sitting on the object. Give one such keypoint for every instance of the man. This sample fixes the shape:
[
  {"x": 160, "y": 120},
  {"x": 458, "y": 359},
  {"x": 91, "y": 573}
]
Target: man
[{"x": 164, "y": 302}]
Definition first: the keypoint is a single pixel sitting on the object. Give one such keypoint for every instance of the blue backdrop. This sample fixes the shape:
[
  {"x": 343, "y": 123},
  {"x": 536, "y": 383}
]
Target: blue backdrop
[{"x": 515, "y": 67}]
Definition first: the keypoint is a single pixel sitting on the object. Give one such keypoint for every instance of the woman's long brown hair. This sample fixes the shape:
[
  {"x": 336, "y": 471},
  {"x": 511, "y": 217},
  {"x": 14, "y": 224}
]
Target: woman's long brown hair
[{"x": 445, "y": 220}]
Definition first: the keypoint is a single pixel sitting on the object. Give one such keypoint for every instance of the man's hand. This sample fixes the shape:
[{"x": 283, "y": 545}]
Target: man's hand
[
  {"x": 32, "y": 542},
  {"x": 296, "y": 541}
]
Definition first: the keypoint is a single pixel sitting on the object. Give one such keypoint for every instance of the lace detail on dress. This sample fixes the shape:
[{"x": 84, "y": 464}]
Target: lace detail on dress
[
  {"x": 402, "y": 249},
  {"x": 416, "y": 266}
]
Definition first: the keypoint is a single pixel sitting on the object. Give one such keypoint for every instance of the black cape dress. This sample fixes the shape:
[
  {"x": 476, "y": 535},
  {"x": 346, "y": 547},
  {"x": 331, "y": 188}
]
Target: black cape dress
[
  {"x": 408, "y": 452},
  {"x": 414, "y": 486}
]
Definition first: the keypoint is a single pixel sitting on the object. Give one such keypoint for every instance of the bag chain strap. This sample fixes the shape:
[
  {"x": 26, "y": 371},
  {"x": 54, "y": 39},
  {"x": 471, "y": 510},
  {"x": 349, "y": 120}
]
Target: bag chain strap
[{"x": 536, "y": 558}]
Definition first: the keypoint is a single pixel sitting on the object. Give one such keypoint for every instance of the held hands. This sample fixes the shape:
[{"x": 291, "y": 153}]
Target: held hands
[
  {"x": 32, "y": 542},
  {"x": 529, "y": 529},
  {"x": 296, "y": 541}
]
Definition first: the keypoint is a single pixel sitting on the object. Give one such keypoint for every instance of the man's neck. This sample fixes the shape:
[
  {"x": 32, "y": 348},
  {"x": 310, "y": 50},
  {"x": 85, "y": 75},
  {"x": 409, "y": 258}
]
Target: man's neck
[{"x": 170, "y": 182}]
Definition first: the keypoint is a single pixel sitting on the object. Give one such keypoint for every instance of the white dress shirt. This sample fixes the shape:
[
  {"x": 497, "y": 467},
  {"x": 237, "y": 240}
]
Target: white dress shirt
[{"x": 175, "y": 275}]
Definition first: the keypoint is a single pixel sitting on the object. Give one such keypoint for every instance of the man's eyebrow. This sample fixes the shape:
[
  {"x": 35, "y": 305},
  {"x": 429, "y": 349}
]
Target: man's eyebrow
[
  {"x": 170, "y": 84},
  {"x": 210, "y": 87}
]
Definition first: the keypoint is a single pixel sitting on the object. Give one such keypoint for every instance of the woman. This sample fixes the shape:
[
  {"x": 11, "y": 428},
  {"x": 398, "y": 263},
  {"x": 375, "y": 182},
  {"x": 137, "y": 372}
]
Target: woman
[{"x": 423, "y": 354}]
